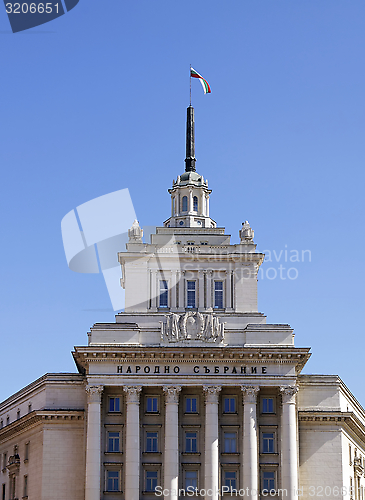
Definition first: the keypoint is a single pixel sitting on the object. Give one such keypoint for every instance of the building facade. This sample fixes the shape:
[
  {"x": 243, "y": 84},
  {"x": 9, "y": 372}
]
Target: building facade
[{"x": 190, "y": 392}]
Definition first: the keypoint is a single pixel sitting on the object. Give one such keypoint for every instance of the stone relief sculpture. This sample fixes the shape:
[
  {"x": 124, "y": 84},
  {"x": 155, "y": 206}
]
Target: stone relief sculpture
[{"x": 192, "y": 325}]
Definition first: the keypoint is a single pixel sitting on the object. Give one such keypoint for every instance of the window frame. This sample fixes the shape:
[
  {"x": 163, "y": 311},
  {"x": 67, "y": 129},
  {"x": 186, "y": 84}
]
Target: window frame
[
  {"x": 190, "y": 468},
  {"x": 191, "y": 431},
  {"x": 163, "y": 292},
  {"x": 223, "y": 478},
  {"x": 220, "y": 291},
  {"x": 116, "y": 396},
  {"x": 230, "y": 397},
  {"x": 26, "y": 451},
  {"x": 119, "y": 479},
  {"x": 262, "y": 479},
  {"x": 157, "y": 440},
  {"x": 191, "y": 396},
  {"x": 195, "y": 204},
  {"x": 227, "y": 430},
  {"x": 187, "y": 293},
  {"x": 152, "y": 412},
  {"x": 263, "y": 397},
  {"x": 113, "y": 431},
  {"x": 145, "y": 479},
  {"x": 184, "y": 208}
]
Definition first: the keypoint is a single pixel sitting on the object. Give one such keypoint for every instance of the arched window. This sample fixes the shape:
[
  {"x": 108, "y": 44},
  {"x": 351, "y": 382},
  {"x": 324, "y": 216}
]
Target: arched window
[
  {"x": 185, "y": 204},
  {"x": 195, "y": 203}
]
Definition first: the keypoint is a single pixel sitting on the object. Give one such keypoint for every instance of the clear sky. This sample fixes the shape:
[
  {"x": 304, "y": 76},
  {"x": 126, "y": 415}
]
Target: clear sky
[{"x": 95, "y": 101}]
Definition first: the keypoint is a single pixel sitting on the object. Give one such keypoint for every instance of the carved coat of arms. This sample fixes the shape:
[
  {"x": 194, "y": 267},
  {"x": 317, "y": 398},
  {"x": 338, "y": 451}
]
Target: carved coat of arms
[{"x": 192, "y": 325}]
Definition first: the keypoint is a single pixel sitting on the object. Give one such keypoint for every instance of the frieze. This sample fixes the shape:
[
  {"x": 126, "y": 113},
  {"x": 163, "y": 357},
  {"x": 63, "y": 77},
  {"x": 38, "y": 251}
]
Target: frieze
[
  {"x": 192, "y": 326},
  {"x": 197, "y": 369}
]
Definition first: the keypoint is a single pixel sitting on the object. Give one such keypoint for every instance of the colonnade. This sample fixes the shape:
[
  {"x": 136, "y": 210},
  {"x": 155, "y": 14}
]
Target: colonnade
[{"x": 250, "y": 468}]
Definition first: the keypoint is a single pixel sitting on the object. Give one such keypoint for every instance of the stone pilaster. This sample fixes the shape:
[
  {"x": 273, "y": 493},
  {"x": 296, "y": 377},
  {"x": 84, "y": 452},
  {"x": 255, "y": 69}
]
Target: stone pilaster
[
  {"x": 132, "y": 452},
  {"x": 250, "y": 438},
  {"x": 289, "y": 442},
  {"x": 211, "y": 482},
  {"x": 171, "y": 459},
  {"x": 93, "y": 442}
]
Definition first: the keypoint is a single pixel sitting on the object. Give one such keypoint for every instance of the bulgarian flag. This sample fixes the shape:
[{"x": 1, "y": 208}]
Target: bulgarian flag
[{"x": 205, "y": 84}]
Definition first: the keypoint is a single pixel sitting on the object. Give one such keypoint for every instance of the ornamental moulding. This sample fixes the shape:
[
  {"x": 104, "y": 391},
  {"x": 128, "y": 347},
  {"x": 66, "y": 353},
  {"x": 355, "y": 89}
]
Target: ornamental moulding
[{"x": 192, "y": 326}]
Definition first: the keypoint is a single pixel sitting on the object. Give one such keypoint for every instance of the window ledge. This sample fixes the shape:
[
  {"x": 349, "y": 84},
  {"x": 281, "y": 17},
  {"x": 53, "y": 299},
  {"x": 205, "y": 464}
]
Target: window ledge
[
  {"x": 191, "y": 413},
  {"x": 269, "y": 453},
  {"x": 152, "y": 452},
  {"x": 230, "y": 453},
  {"x": 112, "y": 492},
  {"x": 194, "y": 453},
  {"x": 152, "y": 413},
  {"x": 114, "y": 412},
  {"x": 113, "y": 453}
]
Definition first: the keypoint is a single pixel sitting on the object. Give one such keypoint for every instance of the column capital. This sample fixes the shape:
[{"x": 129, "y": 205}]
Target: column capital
[
  {"x": 212, "y": 393},
  {"x": 249, "y": 393},
  {"x": 132, "y": 393},
  {"x": 172, "y": 393},
  {"x": 288, "y": 393},
  {"x": 94, "y": 393}
]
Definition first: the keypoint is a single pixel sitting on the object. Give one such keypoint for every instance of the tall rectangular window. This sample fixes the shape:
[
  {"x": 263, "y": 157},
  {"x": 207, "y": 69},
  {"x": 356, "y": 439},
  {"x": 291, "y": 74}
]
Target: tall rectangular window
[
  {"x": 3, "y": 492},
  {"x": 267, "y": 405},
  {"x": 268, "y": 442},
  {"x": 191, "y": 404},
  {"x": 152, "y": 442},
  {"x": 191, "y": 442},
  {"x": 230, "y": 442},
  {"x": 151, "y": 480},
  {"x": 25, "y": 486},
  {"x": 191, "y": 479},
  {"x": 163, "y": 293},
  {"x": 230, "y": 479},
  {"x": 5, "y": 457},
  {"x": 112, "y": 480},
  {"x": 268, "y": 481},
  {"x": 229, "y": 404},
  {"x": 152, "y": 404},
  {"x": 191, "y": 294},
  {"x": 26, "y": 451},
  {"x": 218, "y": 294},
  {"x": 114, "y": 404},
  {"x": 113, "y": 442}
]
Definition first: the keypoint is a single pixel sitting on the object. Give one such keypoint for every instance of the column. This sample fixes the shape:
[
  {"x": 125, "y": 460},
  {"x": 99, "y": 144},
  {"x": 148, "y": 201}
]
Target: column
[
  {"x": 201, "y": 290},
  {"x": 154, "y": 290},
  {"x": 182, "y": 291},
  {"x": 211, "y": 482},
  {"x": 132, "y": 454},
  {"x": 289, "y": 444},
  {"x": 207, "y": 205},
  {"x": 173, "y": 292},
  {"x": 171, "y": 459},
  {"x": 202, "y": 203},
  {"x": 190, "y": 207},
  {"x": 209, "y": 289},
  {"x": 93, "y": 442},
  {"x": 250, "y": 451}
]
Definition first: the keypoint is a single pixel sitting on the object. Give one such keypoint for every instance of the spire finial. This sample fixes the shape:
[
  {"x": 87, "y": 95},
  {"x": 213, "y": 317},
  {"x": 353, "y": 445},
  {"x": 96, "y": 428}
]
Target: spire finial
[{"x": 190, "y": 141}]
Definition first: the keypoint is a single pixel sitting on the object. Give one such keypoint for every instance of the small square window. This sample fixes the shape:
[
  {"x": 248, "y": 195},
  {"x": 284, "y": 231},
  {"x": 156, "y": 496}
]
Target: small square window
[
  {"x": 191, "y": 442},
  {"x": 230, "y": 442},
  {"x": 229, "y": 404},
  {"x": 230, "y": 479},
  {"x": 152, "y": 442},
  {"x": 152, "y": 404},
  {"x": 151, "y": 479},
  {"x": 267, "y": 405},
  {"x": 114, "y": 404},
  {"x": 268, "y": 481},
  {"x": 191, "y": 480},
  {"x": 191, "y": 404},
  {"x": 112, "y": 480},
  {"x": 113, "y": 442}
]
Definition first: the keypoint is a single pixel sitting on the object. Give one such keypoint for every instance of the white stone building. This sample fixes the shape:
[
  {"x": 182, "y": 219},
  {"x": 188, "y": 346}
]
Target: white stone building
[{"x": 190, "y": 393}]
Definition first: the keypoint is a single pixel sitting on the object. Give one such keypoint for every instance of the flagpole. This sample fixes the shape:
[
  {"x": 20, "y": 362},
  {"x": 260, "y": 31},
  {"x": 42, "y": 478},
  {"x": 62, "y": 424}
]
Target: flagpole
[{"x": 190, "y": 84}]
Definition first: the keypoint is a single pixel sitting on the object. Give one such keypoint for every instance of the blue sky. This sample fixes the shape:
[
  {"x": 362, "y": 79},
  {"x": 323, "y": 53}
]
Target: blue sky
[{"x": 95, "y": 101}]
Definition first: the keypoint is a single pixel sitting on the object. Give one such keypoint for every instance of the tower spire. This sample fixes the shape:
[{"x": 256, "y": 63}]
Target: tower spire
[{"x": 190, "y": 141}]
